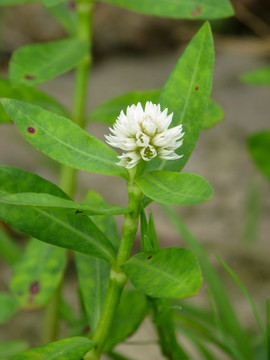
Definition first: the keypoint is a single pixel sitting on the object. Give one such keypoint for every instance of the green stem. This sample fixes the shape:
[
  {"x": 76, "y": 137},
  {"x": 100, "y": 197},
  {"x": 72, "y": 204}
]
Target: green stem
[
  {"x": 117, "y": 276},
  {"x": 67, "y": 178}
]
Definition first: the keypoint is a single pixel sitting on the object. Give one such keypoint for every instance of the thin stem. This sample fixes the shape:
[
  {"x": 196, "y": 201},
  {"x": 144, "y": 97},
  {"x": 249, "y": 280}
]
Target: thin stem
[
  {"x": 67, "y": 178},
  {"x": 117, "y": 276}
]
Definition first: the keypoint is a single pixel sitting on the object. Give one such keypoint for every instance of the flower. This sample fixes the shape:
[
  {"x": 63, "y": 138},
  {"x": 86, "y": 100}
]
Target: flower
[{"x": 144, "y": 135}]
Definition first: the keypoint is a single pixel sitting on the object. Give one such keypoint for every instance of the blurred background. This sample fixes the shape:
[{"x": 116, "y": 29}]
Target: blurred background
[{"x": 133, "y": 51}]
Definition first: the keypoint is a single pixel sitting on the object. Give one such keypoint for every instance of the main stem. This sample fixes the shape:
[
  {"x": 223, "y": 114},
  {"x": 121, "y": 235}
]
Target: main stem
[
  {"x": 117, "y": 276},
  {"x": 67, "y": 178}
]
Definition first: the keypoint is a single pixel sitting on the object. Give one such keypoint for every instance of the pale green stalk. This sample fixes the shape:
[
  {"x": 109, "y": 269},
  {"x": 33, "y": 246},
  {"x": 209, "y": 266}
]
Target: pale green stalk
[
  {"x": 117, "y": 276},
  {"x": 67, "y": 174}
]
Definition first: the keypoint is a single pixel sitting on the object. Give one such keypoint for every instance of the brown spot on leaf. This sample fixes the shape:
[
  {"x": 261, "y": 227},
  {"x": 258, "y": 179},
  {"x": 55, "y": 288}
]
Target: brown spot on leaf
[
  {"x": 149, "y": 257},
  {"x": 197, "y": 88},
  {"x": 71, "y": 5},
  {"x": 29, "y": 77},
  {"x": 31, "y": 130},
  {"x": 78, "y": 212},
  {"x": 34, "y": 288}
]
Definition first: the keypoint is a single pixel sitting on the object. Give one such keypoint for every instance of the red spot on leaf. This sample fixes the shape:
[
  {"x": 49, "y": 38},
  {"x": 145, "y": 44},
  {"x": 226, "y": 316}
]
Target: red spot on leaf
[
  {"x": 34, "y": 288},
  {"x": 31, "y": 130},
  {"x": 196, "y": 12},
  {"x": 29, "y": 77},
  {"x": 197, "y": 88},
  {"x": 149, "y": 257},
  {"x": 71, "y": 5}
]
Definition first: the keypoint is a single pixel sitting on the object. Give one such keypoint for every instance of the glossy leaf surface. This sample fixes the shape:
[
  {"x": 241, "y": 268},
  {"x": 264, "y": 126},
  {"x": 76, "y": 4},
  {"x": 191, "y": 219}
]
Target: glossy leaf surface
[
  {"x": 35, "y": 64},
  {"x": 173, "y": 188},
  {"x": 73, "y": 232},
  {"x": 37, "y": 274},
  {"x": 80, "y": 151},
  {"x": 181, "y": 9},
  {"x": 186, "y": 94},
  {"x": 51, "y": 202},
  {"x": 68, "y": 349},
  {"x": 167, "y": 273}
]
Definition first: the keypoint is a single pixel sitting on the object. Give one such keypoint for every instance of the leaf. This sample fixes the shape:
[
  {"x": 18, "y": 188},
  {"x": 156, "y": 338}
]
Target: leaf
[
  {"x": 109, "y": 111},
  {"x": 35, "y": 64},
  {"x": 167, "y": 273},
  {"x": 149, "y": 240},
  {"x": 65, "y": 12},
  {"x": 181, "y": 9},
  {"x": 11, "y": 348},
  {"x": 37, "y": 274},
  {"x": 8, "y": 307},
  {"x": 50, "y": 202},
  {"x": 51, "y": 2},
  {"x": 72, "y": 232},
  {"x": 257, "y": 77},
  {"x": 213, "y": 115},
  {"x": 30, "y": 95},
  {"x": 106, "y": 223},
  {"x": 93, "y": 275},
  {"x": 129, "y": 316},
  {"x": 259, "y": 149},
  {"x": 172, "y": 188},
  {"x": 67, "y": 349},
  {"x": 186, "y": 94},
  {"x": 62, "y": 140},
  {"x": 14, "y": 2},
  {"x": 9, "y": 250}
]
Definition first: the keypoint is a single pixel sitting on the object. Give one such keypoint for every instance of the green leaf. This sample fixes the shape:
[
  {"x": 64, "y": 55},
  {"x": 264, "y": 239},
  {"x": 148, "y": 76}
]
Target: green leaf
[
  {"x": 37, "y": 274},
  {"x": 257, "y": 77},
  {"x": 149, "y": 240},
  {"x": 50, "y": 202},
  {"x": 93, "y": 275},
  {"x": 51, "y": 134},
  {"x": 11, "y": 348},
  {"x": 65, "y": 12},
  {"x": 109, "y": 111},
  {"x": 213, "y": 115},
  {"x": 167, "y": 273},
  {"x": 259, "y": 149},
  {"x": 14, "y": 2},
  {"x": 35, "y": 64},
  {"x": 106, "y": 223},
  {"x": 68, "y": 349},
  {"x": 9, "y": 250},
  {"x": 51, "y": 2},
  {"x": 8, "y": 307},
  {"x": 130, "y": 314},
  {"x": 172, "y": 188},
  {"x": 181, "y": 9},
  {"x": 186, "y": 94},
  {"x": 30, "y": 95},
  {"x": 73, "y": 232}
]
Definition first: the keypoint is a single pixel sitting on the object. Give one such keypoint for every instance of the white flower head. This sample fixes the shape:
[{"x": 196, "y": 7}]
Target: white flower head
[{"x": 144, "y": 135}]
